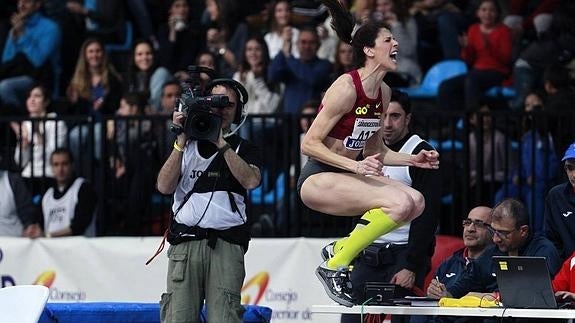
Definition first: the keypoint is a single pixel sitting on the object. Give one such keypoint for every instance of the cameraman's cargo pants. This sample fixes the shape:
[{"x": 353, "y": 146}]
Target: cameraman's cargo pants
[{"x": 197, "y": 272}]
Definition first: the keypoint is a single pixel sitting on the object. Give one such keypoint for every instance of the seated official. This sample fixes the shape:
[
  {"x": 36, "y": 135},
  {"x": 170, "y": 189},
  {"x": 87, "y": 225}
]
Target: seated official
[
  {"x": 512, "y": 235},
  {"x": 476, "y": 239},
  {"x": 70, "y": 204}
]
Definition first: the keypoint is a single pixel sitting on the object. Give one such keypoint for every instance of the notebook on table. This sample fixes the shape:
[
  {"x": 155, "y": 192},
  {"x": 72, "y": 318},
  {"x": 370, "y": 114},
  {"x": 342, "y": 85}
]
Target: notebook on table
[{"x": 524, "y": 282}]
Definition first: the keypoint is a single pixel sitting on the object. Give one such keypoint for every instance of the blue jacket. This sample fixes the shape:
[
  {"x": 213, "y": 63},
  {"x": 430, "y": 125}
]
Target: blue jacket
[
  {"x": 303, "y": 81},
  {"x": 461, "y": 277},
  {"x": 538, "y": 156},
  {"x": 40, "y": 41}
]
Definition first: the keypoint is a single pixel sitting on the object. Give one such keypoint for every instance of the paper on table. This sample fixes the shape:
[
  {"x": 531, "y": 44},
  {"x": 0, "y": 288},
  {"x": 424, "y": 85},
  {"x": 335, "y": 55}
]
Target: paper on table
[{"x": 422, "y": 301}]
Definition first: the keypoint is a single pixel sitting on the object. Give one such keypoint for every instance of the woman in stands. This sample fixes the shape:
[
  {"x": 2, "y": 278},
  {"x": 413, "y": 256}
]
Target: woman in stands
[
  {"x": 144, "y": 75},
  {"x": 37, "y": 139},
  {"x": 94, "y": 91},
  {"x": 264, "y": 96},
  {"x": 348, "y": 124},
  {"x": 280, "y": 29}
]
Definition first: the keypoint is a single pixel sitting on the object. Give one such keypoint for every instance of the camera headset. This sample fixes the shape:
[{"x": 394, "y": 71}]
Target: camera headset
[{"x": 242, "y": 98}]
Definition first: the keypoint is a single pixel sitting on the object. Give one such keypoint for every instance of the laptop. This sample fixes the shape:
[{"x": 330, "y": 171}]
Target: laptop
[{"x": 524, "y": 282}]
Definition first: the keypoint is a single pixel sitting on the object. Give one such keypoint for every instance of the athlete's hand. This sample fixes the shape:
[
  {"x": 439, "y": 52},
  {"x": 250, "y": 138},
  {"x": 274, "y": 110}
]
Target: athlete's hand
[
  {"x": 404, "y": 278},
  {"x": 370, "y": 166},
  {"x": 426, "y": 159}
]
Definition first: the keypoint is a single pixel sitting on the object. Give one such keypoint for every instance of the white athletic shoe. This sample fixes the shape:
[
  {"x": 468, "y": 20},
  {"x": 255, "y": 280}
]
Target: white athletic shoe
[{"x": 336, "y": 283}]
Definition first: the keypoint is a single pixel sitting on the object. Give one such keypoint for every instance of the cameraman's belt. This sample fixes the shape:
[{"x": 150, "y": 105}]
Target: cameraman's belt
[{"x": 181, "y": 232}]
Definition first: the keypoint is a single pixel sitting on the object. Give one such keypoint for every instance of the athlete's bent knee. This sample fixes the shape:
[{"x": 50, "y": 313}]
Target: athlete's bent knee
[{"x": 402, "y": 207}]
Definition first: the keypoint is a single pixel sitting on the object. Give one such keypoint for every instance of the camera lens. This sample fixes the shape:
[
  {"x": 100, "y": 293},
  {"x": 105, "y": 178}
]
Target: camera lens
[{"x": 201, "y": 123}]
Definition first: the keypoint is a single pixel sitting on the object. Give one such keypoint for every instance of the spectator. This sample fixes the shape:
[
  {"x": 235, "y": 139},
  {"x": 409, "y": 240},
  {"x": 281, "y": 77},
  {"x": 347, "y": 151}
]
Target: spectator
[
  {"x": 144, "y": 75},
  {"x": 560, "y": 95},
  {"x": 304, "y": 78},
  {"x": 343, "y": 60},
  {"x": 538, "y": 164},
  {"x": 209, "y": 60},
  {"x": 170, "y": 93},
  {"x": 264, "y": 97},
  {"x": 179, "y": 38},
  {"x": 404, "y": 29},
  {"x": 37, "y": 138},
  {"x": 69, "y": 205},
  {"x": 487, "y": 49},
  {"x": 554, "y": 47},
  {"x": 226, "y": 33},
  {"x": 133, "y": 163},
  {"x": 439, "y": 23},
  {"x": 94, "y": 91},
  {"x": 476, "y": 239},
  {"x": 529, "y": 18},
  {"x": 560, "y": 208},
  {"x": 487, "y": 151},
  {"x": 564, "y": 282},
  {"x": 31, "y": 53},
  {"x": 403, "y": 256},
  {"x": 103, "y": 19},
  {"x": 18, "y": 215},
  {"x": 280, "y": 31},
  {"x": 171, "y": 90}
]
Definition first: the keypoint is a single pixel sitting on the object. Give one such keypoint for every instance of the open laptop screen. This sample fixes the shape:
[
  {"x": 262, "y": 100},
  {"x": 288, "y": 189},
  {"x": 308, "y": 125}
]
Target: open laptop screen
[{"x": 524, "y": 282}]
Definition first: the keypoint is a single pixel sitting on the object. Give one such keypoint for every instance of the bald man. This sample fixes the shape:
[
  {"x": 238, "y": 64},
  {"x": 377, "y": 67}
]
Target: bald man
[{"x": 476, "y": 238}]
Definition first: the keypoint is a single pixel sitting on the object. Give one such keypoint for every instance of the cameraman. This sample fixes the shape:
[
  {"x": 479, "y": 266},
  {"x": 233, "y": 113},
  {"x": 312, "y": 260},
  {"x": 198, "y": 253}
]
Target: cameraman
[{"x": 209, "y": 233}]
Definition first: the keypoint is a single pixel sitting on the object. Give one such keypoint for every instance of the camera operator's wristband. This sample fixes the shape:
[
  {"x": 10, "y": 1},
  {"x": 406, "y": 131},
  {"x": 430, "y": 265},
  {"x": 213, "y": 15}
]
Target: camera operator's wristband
[
  {"x": 224, "y": 148},
  {"x": 177, "y": 147}
]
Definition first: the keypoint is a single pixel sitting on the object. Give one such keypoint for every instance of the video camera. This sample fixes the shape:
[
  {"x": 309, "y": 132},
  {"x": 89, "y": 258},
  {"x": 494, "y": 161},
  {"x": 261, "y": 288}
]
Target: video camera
[{"x": 201, "y": 123}]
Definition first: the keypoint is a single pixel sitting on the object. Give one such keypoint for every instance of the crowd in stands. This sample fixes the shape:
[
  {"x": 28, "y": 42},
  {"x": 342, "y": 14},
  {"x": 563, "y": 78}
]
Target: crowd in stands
[{"x": 92, "y": 76}]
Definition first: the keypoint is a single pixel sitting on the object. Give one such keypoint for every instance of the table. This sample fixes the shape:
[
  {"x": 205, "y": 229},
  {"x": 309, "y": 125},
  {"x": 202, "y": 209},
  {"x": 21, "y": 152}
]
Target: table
[{"x": 449, "y": 311}]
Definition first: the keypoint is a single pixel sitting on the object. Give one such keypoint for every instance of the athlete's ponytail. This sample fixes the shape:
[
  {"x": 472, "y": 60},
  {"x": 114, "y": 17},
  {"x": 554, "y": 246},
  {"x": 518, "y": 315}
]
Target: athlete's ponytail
[
  {"x": 343, "y": 23},
  {"x": 342, "y": 20}
]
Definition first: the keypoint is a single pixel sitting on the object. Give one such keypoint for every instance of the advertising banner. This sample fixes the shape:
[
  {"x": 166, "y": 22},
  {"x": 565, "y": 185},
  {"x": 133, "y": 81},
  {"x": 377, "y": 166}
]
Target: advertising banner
[{"x": 280, "y": 273}]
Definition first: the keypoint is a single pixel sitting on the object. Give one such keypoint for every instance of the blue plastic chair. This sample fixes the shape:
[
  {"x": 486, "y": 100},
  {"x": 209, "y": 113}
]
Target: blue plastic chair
[
  {"x": 266, "y": 195},
  {"x": 437, "y": 73},
  {"x": 505, "y": 92}
]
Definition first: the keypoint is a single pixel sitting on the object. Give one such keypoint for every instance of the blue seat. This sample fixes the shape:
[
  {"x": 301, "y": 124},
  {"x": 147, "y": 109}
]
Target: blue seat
[
  {"x": 128, "y": 38},
  {"x": 266, "y": 195},
  {"x": 505, "y": 92},
  {"x": 437, "y": 73}
]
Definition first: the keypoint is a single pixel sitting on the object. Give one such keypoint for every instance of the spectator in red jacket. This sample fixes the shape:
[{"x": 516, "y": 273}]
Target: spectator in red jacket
[
  {"x": 564, "y": 281},
  {"x": 487, "y": 50}
]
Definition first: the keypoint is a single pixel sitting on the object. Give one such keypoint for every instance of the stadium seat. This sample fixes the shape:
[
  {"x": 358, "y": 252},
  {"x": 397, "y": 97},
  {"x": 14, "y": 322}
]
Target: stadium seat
[
  {"x": 22, "y": 303},
  {"x": 505, "y": 92},
  {"x": 437, "y": 73},
  {"x": 266, "y": 195},
  {"x": 445, "y": 246}
]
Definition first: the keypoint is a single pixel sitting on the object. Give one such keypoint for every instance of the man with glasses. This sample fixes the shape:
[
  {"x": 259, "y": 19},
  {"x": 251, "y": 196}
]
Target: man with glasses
[
  {"x": 560, "y": 209},
  {"x": 513, "y": 237},
  {"x": 476, "y": 239}
]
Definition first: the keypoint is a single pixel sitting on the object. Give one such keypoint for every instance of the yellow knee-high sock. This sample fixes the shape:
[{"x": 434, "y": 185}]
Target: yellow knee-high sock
[{"x": 346, "y": 249}]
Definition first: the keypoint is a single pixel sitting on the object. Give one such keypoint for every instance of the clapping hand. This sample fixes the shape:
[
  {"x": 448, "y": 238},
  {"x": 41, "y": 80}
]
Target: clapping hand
[{"x": 426, "y": 159}]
